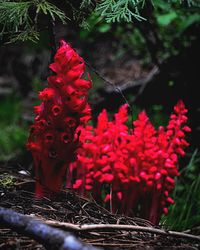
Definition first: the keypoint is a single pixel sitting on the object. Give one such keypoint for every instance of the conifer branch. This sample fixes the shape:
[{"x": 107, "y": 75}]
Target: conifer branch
[
  {"x": 129, "y": 10},
  {"x": 19, "y": 20}
]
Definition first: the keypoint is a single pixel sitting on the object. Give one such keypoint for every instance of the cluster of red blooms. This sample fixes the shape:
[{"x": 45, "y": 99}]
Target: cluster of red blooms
[
  {"x": 131, "y": 171},
  {"x": 54, "y": 136}
]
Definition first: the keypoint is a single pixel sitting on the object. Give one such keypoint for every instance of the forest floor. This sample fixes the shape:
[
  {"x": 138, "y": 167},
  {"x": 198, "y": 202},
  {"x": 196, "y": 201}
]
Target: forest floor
[{"x": 67, "y": 207}]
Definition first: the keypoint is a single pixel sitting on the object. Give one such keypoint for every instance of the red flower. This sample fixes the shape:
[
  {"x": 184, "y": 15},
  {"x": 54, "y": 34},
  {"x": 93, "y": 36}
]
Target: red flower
[
  {"x": 54, "y": 137},
  {"x": 131, "y": 171}
]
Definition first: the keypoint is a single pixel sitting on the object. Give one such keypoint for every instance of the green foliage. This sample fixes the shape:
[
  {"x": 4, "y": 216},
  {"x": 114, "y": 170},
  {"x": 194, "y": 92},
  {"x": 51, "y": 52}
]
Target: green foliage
[
  {"x": 13, "y": 133},
  {"x": 121, "y": 10},
  {"x": 171, "y": 19},
  {"x": 166, "y": 19},
  {"x": 184, "y": 214},
  {"x": 86, "y": 4},
  {"x": 169, "y": 13},
  {"x": 10, "y": 110},
  {"x": 128, "y": 10},
  {"x": 29, "y": 34},
  {"x": 50, "y": 9},
  {"x": 95, "y": 25},
  {"x": 14, "y": 14},
  {"x": 172, "y": 22},
  {"x": 19, "y": 19},
  {"x": 191, "y": 2},
  {"x": 12, "y": 141}
]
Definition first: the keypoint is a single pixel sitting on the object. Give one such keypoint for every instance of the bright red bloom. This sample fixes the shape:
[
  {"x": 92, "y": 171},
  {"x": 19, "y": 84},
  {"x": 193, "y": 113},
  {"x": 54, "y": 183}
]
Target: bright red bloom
[
  {"x": 131, "y": 169},
  {"x": 54, "y": 137}
]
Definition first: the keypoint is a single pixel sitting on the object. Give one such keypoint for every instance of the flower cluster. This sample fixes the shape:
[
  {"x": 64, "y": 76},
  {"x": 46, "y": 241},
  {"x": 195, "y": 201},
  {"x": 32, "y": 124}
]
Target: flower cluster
[
  {"x": 131, "y": 171},
  {"x": 54, "y": 136}
]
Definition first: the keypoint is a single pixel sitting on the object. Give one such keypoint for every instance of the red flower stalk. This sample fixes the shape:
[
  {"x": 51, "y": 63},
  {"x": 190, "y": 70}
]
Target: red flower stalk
[
  {"x": 54, "y": 137},
  {"x": 131, "y": 172}
]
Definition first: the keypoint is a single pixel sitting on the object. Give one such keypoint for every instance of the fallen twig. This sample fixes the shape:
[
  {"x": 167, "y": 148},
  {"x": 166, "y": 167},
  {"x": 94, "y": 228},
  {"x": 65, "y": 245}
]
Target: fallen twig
[
  {"x": 141, "y": 83},
  {"x": 97, "y": 227},
  {"x": 51, "y": 238},
  {"x": 108, "y": 96}
]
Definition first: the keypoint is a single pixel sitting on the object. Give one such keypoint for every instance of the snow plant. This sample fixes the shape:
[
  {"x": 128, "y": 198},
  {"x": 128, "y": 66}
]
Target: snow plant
[
  {"x": 130, "y": 171},
  {"x": 54, "y": 136}
]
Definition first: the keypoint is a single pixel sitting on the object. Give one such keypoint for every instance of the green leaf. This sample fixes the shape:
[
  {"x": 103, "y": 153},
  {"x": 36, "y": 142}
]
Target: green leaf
[
  {"x": 121, "y": 10},
  {"x": 48, "y": 8},
  {"x": 104, "y": 28},
  {"x": 166, "y": 19},
  {"x": 13, "y": 15},
  {"x": 191, "y": 19},
  {"x": 27, "y": 35}
]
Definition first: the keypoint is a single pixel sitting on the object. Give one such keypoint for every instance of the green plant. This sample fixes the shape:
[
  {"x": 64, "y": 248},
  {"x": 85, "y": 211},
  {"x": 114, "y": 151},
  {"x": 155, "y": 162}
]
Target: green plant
[
  {"x": 129, "y": 10},
  {"x": 12, "y": 141},
  {"x": 172, "y": 22},
  {"x": 9, "y": 110},
  {"x": 19, "y": 19},
  {"x": 13, "y": 132},
  {"x": 184, "y": 214},
  {"x": 122, "y": 10}
]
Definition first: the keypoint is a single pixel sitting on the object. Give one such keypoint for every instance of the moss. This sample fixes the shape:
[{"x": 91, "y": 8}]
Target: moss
[{"x": 6, "y": 181}]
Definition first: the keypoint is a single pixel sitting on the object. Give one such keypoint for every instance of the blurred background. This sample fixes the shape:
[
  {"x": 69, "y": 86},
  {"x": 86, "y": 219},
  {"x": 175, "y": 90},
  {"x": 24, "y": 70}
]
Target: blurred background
[{"x": 145, "y": 53}]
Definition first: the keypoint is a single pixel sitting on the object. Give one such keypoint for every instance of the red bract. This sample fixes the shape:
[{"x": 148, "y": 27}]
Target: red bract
[
  {"x": 131, "y": 171},
  {"x": 54, "y": 137}
]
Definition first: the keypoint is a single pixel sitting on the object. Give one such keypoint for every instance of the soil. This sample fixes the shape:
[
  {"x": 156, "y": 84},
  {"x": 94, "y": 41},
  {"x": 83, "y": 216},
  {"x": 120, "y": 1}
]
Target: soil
[{"x": 18, "y": 195}]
